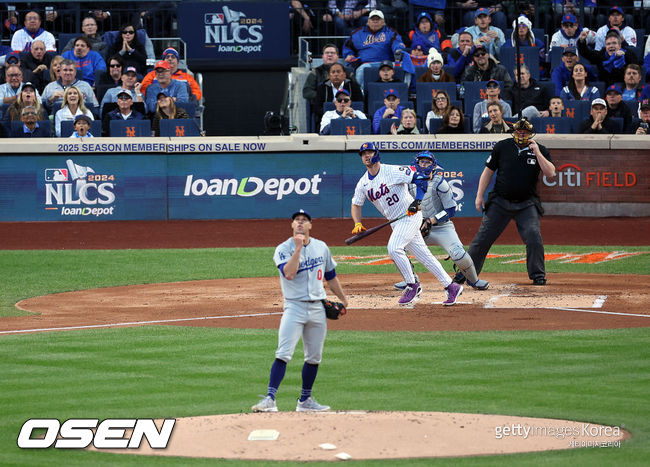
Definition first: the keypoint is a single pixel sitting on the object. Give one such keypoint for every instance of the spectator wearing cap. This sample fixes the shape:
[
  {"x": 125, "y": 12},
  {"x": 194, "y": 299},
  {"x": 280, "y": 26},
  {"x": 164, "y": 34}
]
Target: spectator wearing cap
[
  {"x": 89, "y": 29},
  {"x": 164, "y": 83},
  {"x": 598, "y": 122},
  {"x": 22, "y": 39},
  {"x": 171, "y": 56},
  {"x": 485, "y": 34},
  {"x": 569, "y": 32},
  {"x": 129, "y": 84},
  {"x": 641, "y": 126},
  {"x": 522, "y": 33},
  {"x": 130, "y": 49},
  {"x": 54, "y": 91},
  {"x": 14, "y": 58},
  {"x": 486, "y": 68},
  {"x": 371, "y": 44},
  {"x": 418, "y": 57},
  {"x": 610, "y": 60},
  {"x": 390, "y": 109},
  {"x": 124, "y": 111},
  {"x": 26, "y": 97},
  {"x": 31, "y": 128},
  {"x": 493, "y": 95},
  {"x": 343, "y": 110},
  {"x": 36, "y": 62},
  {"x": 327, "y": 90},
  {"x": 82, "y": 127},
  {"x": 616, "y": 108},
  {"x": 386, "y": 73},
  {"x": 529, "y": 99},
  {"x": 460, "y": 57},
  {"x": 492, "y": 8},
  {"x": 435, "y": 72},
  {"x": 87, "y": 60},
  {"x": 632, "y": 86},
  {"x": 346, "y": 15},
  {"x": 615, "y": 22},
  {"x": 578, "y": 87},
  {"x": 10, "y": 90},
  {"x": 425, "y": 34},
  {"x": 562, "y": 73}
]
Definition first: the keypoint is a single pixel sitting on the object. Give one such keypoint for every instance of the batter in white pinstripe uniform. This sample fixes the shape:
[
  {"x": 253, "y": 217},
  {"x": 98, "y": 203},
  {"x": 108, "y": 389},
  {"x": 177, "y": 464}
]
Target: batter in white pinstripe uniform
[{"x": 387, "y": 187}]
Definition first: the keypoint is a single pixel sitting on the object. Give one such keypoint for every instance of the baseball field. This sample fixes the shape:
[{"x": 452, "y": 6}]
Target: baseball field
[{"x": 179, "y": 320}]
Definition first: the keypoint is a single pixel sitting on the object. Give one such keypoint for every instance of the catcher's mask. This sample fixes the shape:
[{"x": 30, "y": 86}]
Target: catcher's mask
[
  {"x": 523, "y": 131},
  {"x": 370, "y": 147},
  {"x": 428, "y": 156}
]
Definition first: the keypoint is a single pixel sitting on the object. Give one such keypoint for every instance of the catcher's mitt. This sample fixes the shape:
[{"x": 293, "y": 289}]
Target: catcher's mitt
[
  {"x": 425, "y": 228},
  {"x": 333, "y": 309}
]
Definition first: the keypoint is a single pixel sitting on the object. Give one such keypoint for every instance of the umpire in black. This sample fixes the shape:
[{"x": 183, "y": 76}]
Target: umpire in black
[{"x": 517, "y": 163}]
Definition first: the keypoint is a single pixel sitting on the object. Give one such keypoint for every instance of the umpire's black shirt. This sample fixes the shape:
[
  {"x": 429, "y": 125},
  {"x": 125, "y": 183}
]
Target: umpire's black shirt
[{"x": 517, "y": 170}]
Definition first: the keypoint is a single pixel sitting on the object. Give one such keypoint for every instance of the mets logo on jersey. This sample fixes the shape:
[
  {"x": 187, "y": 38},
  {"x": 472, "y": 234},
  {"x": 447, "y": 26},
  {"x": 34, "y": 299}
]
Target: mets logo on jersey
[{"x": 374, "y": 195}]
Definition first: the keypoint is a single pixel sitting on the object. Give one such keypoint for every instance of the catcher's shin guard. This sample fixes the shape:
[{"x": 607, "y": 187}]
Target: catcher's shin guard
[{"x": 466, "y": 266}]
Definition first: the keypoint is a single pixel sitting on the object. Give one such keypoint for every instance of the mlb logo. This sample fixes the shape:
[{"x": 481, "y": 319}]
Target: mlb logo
[
  {"x": 56, "y": 175},
  {"x": 214, "y": 18}
]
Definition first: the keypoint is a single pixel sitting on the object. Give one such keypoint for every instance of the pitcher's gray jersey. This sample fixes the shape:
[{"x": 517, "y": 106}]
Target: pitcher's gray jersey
[{"x": 315, "y": 263}]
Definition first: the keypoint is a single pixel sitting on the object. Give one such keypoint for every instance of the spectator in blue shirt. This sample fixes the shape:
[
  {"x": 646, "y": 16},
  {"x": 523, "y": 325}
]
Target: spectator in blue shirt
[
  {"x": 86, "y": 59},
  {"x": 164, "y": 83},
  {"x": 460, "y": 57},
  {"x": 372, "y": 44},
  {"x": 390, "y": 109}
]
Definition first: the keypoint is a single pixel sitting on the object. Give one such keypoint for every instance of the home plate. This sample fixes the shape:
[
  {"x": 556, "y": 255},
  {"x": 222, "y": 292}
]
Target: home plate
[
  {"x": 536, "y": 300},
  {"x": 263, "y": 435}
]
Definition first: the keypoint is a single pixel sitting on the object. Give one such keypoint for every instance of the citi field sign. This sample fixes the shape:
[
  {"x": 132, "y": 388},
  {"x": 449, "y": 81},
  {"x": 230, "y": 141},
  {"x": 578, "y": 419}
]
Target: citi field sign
[
  {"x": 235, "y": 30},
  {"x": 573, "y": 176}
]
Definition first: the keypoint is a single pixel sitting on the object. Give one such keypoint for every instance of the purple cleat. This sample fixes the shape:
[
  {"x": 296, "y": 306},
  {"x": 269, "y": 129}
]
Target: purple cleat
[
  {"x": 411, "y": 295},
  {"x": 453, "y": 292}
]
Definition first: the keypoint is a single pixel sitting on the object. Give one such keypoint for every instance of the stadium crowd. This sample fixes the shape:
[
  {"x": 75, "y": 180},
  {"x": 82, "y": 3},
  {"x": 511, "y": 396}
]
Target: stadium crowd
[
  {"x": 98, "y": 81},
  {"x": 572, "y": 76}
]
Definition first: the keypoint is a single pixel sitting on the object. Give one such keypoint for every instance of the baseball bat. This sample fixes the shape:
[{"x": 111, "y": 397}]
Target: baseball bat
[{"x": 365, "y": 233}]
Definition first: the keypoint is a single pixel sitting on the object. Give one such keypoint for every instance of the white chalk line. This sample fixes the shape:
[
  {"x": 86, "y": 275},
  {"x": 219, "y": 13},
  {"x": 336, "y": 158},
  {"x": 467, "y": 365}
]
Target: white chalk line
[
  {"x": 595, "y": 311},
  {"x": 134, "y": 323}
]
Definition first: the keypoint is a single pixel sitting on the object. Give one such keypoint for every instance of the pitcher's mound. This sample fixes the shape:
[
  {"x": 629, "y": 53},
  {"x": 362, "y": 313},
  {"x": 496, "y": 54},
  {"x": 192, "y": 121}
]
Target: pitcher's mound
[{"x": 374, "y": 435}]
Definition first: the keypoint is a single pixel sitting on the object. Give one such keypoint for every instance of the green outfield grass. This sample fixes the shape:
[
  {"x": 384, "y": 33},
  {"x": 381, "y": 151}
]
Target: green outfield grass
[{"x": 598, "y": 376}]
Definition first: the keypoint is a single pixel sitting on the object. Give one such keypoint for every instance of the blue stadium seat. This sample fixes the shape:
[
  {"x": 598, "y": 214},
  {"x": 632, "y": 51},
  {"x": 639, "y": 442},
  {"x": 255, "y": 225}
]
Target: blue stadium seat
[
  {"x": 63, "y": 39},
  {"x": 618, "y": 122},
  {"x": 552, "y": 125},
  {"x": 371, "y": 75},
  {"x": 634, "y": 107},
  {"x": 530, "y": 58},
  {"x": 67, "y": 127},
  {"x": 475, "y": 90},
  {"x": 344, "y": 126},
  {"x": 434, "y": 125},
  {"x": 130, "y": 128},
  {"x": 179, "y": 127},
  {"x": 576, "y": 112},
  {"x": 189, "y": 107},
  {"x": 556, "y": 57},
  {"x": 385, "y": 124}
]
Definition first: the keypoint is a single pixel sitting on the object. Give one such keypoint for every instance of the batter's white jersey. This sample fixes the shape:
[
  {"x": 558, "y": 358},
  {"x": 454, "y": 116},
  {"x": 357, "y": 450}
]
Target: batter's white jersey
[{"x": 388, "y": 190}]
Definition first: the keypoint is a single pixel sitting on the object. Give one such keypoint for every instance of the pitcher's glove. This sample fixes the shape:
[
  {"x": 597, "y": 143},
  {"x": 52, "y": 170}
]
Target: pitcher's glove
[
  {"x": 425, "y": 228},
  {"x": 333, "y": 309}
]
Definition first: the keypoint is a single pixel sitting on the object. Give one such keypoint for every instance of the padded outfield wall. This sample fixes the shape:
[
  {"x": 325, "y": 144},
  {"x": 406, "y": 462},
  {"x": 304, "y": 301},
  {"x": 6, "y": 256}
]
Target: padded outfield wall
[{"x": 239, "y": 178}]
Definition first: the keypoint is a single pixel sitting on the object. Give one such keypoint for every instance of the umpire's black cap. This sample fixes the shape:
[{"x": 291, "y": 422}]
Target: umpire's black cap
[{"x": 301, "y": 212}]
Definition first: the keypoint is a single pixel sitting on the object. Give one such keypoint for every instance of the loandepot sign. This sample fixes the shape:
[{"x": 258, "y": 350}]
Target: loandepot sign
[{"x": 251, "y": 186}]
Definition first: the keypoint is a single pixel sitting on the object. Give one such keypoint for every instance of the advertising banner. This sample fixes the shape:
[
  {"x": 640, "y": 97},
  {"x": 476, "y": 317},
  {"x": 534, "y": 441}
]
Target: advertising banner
[
  {"x": 235, "y": 30},
  {"x": 78, "y": 187}
]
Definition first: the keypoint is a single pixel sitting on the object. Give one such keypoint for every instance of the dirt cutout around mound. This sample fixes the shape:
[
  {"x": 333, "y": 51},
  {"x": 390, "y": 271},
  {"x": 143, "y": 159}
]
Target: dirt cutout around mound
[
  {"x": 569, "y": 301},
  {"x": 356, "y": 435}
]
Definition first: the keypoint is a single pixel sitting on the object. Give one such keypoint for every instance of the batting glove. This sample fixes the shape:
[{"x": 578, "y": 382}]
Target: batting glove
[
  {"x": 358, "y": 228},
  {"x": 413, "y": 208}
]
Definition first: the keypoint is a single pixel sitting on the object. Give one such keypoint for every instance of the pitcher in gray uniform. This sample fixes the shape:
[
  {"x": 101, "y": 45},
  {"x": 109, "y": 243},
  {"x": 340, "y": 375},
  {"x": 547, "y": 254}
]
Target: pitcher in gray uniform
[
  {"x": 438, "y": 206},
  {"x": 303, "y": 262}
]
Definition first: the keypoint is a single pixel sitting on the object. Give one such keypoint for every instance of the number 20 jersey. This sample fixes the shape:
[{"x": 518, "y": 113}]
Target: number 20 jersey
[{"x": 388, "y": 190}]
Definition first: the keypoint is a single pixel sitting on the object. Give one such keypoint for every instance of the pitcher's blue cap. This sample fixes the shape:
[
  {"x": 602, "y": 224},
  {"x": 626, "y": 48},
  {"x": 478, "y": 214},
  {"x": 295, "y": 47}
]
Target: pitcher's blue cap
[{"x": 299, "y": 212}]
